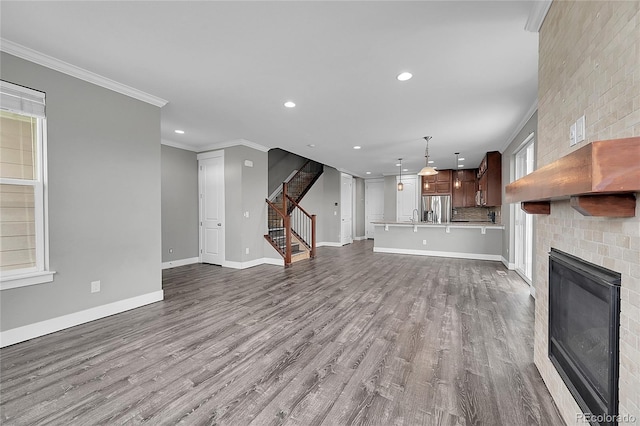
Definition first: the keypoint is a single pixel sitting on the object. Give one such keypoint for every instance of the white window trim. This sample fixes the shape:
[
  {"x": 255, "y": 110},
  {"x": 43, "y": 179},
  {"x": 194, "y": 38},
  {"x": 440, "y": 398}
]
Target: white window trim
[{"x": 40, "y": 274}]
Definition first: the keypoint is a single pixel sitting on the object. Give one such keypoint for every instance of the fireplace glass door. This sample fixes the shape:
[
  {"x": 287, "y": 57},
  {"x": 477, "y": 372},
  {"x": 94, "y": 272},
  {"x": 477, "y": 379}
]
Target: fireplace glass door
[{"x": 584, "y": 316}]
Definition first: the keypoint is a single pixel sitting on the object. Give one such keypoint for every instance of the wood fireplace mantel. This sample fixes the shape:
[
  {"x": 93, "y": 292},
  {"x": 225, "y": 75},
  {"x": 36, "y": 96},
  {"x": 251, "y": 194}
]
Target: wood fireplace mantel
[{"x": 600, "y": 179}]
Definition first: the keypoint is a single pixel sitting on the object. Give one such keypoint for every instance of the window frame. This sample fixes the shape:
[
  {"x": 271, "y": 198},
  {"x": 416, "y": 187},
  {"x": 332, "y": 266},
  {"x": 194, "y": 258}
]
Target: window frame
[{"x": 39, "y": 273}]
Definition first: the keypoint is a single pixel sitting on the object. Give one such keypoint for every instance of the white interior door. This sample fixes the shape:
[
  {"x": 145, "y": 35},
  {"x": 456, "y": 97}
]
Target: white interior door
[
  {"x": 211, "y": 182},
  {"x": 373, "y": 204},
  {"x": 407, "y": 199},
  {"x": 346, "y": 210}
]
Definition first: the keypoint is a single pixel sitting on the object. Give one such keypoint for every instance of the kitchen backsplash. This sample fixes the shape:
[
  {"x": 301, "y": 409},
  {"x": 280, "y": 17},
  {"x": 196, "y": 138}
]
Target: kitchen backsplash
[{"x": 476, "y": 214}]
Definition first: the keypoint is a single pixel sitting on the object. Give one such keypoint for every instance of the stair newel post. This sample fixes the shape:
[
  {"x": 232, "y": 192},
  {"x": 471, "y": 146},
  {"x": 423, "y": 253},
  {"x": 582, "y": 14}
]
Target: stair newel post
[
  {"x": 287, "y": 239},
  {"x": 313, "y": 235}
]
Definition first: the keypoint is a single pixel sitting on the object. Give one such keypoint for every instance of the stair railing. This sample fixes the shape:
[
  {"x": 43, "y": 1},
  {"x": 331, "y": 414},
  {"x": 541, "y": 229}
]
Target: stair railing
[
  {"x": 287, "y": 218},
  {"x": 303, "y": 225},
  {"x": 303, "y": 180},
  {"x": 279, "y": 236}
]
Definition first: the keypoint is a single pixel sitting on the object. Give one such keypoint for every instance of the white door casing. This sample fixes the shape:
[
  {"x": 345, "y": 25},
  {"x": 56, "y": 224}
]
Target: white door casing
[
  {"x": 346, "y": 210},
  {"x": 373, "y": 204},
  {"x": 212, "y": 224},
  {"x": 407, "y": 199}
]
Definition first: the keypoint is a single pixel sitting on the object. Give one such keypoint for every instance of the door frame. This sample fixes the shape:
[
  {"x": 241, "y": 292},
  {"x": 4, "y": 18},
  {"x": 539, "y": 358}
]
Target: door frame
[
  {"x": 367, "y": 204},
  {"x": 518, "y": 244},
  {"x": 343, "y": 238},
  {"x": 201, "y": 157}
]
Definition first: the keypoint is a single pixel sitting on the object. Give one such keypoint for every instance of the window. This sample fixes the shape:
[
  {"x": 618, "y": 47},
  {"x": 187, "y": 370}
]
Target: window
[
  {"x": 23, "y": 219},
  {"x": 524, "y": 158}
]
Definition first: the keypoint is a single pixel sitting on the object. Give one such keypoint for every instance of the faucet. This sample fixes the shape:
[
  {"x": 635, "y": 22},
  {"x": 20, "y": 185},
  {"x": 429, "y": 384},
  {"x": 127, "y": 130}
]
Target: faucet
[{"x": 417, "y": 214}]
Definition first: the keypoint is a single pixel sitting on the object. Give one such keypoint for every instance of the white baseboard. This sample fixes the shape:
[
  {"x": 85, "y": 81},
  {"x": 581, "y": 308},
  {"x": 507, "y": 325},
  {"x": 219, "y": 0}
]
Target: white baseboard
[
  {"x": 509, "y": 266},
  {"x": 271, "y": 261},
  {"x": 180, "y": 262},
  {"x": 456, "y": 255},
  {"x": 252, "y": 263},
  {"x": 21, "y": 334},
  {"x": 359, "y": 238},
  {"x": 328, "y": 244}
]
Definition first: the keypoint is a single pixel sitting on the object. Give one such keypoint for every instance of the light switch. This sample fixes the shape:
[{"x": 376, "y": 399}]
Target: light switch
[
  {"x": 580, "y": 131},
  {"x": 572, "y": 135}
]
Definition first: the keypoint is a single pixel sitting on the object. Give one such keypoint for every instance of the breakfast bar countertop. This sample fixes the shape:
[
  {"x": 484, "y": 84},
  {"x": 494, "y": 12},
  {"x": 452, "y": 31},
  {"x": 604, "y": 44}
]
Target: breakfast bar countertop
[{"x": 442, "y": 225}]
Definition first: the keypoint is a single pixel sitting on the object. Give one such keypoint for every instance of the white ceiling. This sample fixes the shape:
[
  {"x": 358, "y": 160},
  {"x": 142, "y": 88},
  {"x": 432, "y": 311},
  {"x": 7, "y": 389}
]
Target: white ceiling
[{"x": 226, "y": 69}]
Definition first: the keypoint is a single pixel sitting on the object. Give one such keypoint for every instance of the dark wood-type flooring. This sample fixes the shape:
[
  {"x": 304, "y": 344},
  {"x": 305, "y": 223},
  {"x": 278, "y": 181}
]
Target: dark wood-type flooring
[{"x": 352, "y": 337}]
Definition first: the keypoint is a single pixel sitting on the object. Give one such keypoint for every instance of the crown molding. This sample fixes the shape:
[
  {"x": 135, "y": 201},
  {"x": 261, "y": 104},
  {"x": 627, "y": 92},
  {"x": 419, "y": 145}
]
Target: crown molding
[
  {"x": 537, "y": 14},
  {"x": 525, "y": 119},
  {"x": 39, "y": 58},
  {"x": 234, "y": 142},
  {"x": 178, "y": 145}
]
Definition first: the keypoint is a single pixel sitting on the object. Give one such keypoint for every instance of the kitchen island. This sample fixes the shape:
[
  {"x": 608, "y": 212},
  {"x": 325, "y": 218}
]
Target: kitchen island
[{"x": 465, "y": 240}]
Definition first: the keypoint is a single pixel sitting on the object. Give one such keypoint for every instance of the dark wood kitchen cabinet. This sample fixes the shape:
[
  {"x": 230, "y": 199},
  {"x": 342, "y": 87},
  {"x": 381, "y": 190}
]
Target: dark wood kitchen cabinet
[
  {"x": 439, "y": 184},
  {"x": 465, "y": 194},
  {"x": 490, "y": 179}
]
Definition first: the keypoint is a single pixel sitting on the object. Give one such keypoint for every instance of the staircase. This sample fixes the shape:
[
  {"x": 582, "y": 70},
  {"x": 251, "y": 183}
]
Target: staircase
[{"x": 291, "y": 230}]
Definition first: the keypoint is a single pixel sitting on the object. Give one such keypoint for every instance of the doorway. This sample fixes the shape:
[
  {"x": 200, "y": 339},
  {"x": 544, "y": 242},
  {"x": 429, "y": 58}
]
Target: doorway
[
  {"x": 346, "y": 210},
  {"x": 211, "y": 190},
  {"x": 373, "y": 204}
]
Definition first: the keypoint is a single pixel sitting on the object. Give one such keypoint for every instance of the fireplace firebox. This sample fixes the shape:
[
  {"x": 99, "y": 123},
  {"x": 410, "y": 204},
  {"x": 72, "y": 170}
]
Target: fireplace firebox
[{"x": 584, "y": 322}]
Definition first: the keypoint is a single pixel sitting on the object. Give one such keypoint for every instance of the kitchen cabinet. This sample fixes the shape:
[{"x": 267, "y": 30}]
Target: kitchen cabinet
[
  {"x": 465, "y": 195},
  {"x": 490, "y": 180},
  {"x": 439, "y": 184}
]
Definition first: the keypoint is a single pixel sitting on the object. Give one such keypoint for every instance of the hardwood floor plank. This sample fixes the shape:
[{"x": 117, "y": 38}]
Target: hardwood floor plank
[{"x": 351, "y": 337}]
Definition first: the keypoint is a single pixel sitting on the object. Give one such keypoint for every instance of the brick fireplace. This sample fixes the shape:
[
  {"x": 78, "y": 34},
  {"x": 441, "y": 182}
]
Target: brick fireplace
[{"x": 589, "y": 56}]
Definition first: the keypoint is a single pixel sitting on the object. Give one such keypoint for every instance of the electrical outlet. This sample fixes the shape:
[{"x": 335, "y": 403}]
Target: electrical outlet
[
  {"x": 170, "y": 250},
  {"x": 424, "y": 242},
  {"x": 95, "y": 286},
  {"x": 246, "y": 214},
  {"x": 246, "y": 251},
  {"x": 572, "y": 135}
]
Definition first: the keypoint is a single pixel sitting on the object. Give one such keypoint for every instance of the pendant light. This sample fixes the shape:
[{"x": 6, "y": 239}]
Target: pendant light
[
  {"x": 426, "y": 170},
  {"x": 400, "y": 185},
  {"x": 457, "y": 183}
]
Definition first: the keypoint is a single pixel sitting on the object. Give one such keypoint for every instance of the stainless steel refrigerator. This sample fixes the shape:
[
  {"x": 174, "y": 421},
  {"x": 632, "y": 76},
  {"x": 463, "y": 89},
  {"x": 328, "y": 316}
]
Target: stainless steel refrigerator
[{"x": 436, "y": 208}]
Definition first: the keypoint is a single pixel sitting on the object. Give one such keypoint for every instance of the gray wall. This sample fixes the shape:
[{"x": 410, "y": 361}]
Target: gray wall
[
  {"x": 390, "y": 198},
  {"x": 104, "y": 197},
  {"x": 320, "y": 200},
  {"x": 332, "y": 219},
  {"x": 179, "y": 204},
  {"x": 359, "y": 213},
  {"x": 245, "y": 191},
  {"x": 281, "y": 164},
  {"x": 508, "y": 171}
]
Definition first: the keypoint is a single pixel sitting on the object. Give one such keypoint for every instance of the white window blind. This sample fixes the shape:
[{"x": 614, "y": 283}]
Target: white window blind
[{"x": 21, "y": 100}]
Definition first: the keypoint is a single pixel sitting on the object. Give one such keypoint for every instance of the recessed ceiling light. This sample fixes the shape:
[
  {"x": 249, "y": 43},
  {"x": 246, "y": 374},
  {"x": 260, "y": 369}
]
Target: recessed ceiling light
[
  {"x": 460, "y": 166},
  {"x": 289, "y": 104},
  {"x": 357, "y": 147},
  {"x": 405, "y": 170},
  {"x": 311, "y": 145},
  {"x": 430, "y": 161},
  {"x": 398, "y": 164},
  {"x": 404, "y": 76},
  {"x": 460, "y": 159},
  {"x": 180, "y": 132},
  {"x": 368, "y": 173}
]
